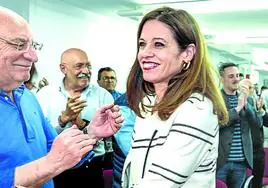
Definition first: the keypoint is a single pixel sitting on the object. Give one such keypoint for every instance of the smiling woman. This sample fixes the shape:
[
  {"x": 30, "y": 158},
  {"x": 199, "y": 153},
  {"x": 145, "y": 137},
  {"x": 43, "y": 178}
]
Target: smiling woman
[{"x": 172, "y": 78}]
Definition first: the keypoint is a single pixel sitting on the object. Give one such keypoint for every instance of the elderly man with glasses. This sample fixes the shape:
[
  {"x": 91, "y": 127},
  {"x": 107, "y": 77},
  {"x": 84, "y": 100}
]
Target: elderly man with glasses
[{"x": 31, "y": 152}]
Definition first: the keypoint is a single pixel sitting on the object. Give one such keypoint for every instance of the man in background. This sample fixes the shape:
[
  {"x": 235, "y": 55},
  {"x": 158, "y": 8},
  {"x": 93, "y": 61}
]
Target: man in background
[
  {"x": 241, "y": 76},
  {"x": 235, "y": 143},
  {"x": 75, "y": 101},
  {"x": 257, "y": 136},
  {"x": 107, "y": 80}
]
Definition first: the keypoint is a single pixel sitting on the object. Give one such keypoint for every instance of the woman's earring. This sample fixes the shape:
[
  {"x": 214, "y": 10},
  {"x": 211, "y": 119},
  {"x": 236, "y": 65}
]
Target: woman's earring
[{"x": 186, "y": 65}]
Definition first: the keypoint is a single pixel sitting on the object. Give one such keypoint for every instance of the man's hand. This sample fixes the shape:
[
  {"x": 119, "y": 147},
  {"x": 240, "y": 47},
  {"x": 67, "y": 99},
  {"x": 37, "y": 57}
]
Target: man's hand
[
  {"x": 73, "y": 107},
  {"x": 245, "y": 87},
  {"x": 242, "y": 100},
  {"x": 79, "y": 122},
  {"x": 42, "y": 83},
  {"x": 69, "y": 147},
  {"x": 106, "y": 121},
  {"x": 67, "y": 150},
  {"x": 259, "y": 103}
]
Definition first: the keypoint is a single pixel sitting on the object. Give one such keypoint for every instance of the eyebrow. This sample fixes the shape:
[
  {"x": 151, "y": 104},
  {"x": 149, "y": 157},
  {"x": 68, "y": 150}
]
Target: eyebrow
[
  {"x": 156, "y": 38},
  {"x": 85, "y": 62},
  {"x": 19, "y": 39}
]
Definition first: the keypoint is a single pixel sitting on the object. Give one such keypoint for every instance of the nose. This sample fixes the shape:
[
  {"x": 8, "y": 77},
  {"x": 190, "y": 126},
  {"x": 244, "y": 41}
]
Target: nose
[
  {"x": 237, "y": 79},
  {"x": 109, "y": 80},
  {"x": 86, "y": 70},
  {"x": 147, "y": 51},
  {"x": 31, "y": 55}
]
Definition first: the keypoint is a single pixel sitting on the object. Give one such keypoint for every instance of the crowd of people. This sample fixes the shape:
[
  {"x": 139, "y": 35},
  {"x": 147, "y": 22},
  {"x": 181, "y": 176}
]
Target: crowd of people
[{"x": 173, "y": 127}]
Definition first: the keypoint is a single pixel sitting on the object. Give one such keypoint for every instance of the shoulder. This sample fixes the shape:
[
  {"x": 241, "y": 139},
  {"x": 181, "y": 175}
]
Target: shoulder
[
  {"x": 196, "y": 111},
  {"x": 198, "y": 102},
  {"x": 264, "y": 94},
  {"x": 96, "y": 88},
  {"x": 29, "y": 95},
  {"x": 101, "y": 93}
]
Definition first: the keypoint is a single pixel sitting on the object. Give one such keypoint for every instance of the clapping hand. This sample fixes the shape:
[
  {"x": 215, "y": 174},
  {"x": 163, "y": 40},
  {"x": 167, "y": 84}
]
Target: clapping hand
[
  {"x": 42, "y": 83},
  {"x": 244, "y": 91},
  {"x": 69, "y": 147},
  {"x": 73, "y": 107},
  {"x": 106, "y": 122},
  {"x": 259, "y": 104}
]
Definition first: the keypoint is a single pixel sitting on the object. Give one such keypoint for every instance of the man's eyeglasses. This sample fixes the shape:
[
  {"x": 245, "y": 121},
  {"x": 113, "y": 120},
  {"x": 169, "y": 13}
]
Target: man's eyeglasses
[
  {"x": 80, "y": 66},
  {"x": 22, "y": 44},
  {"x": 106, "y": 78}
]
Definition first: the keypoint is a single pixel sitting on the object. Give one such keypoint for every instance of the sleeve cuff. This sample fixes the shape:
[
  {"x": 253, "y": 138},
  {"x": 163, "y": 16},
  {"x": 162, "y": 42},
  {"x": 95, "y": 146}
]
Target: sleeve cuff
[{"x": 88, "y": 158}]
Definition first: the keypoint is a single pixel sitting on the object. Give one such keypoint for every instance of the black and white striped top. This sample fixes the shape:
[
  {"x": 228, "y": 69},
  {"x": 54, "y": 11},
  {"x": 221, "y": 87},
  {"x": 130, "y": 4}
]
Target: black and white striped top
[{"x": 179, "y": 152}]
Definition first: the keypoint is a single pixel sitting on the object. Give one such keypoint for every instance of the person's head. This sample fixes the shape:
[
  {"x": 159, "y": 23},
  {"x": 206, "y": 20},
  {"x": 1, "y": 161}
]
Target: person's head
[
  {"x": 17, "y": 50},
  {"x": 241, "y": 76},
  {"x": 229, "y": 76},
  {"x": 171, "y": 56},
  {"x": 107, "y": 78},
  {"x": 264, "y": 88},
  {"x": 76, "y": 69}
]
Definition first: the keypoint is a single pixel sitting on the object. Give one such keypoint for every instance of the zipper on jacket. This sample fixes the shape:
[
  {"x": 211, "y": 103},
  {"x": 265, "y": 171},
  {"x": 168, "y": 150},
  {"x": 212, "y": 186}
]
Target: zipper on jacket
[{"x": 147, "y": 153}]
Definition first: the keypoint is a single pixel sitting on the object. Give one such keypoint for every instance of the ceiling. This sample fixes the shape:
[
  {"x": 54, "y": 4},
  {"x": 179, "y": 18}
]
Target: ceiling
[{"x": 236, "y": 28}]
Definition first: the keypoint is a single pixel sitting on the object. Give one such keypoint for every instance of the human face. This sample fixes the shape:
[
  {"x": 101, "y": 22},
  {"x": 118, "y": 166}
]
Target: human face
[
  {"x": 77, "y": 70},
  {"x": 16, "y": 60},
  {"x": 159, "y": 55},
  {"x": 230, "y": 80},
  {"x": 108, "y": 80}
]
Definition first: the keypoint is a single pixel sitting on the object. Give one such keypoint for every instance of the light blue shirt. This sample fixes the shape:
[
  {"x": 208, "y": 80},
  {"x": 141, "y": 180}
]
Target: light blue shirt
[
  {"x": 25, "y": 134},
  {"x": 53, "y": 101},
  {"x": 124, "y": 136},
  {"x": 116, "y": 94}
]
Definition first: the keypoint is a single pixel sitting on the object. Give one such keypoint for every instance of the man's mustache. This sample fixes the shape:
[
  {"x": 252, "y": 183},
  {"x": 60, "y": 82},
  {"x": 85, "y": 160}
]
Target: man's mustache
[{"x": 82, "y": 75}]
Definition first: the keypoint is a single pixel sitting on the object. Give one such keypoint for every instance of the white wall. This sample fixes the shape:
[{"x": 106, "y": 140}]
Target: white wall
[{"x": 108, "y": 41}]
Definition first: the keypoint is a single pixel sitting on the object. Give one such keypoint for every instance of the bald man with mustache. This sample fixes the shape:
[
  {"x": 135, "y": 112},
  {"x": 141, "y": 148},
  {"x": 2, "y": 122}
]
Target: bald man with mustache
[{"x": 74, "y": 102}]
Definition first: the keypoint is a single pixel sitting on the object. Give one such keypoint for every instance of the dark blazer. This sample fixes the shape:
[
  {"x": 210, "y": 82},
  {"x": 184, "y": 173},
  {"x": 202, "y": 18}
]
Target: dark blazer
[
  {"x": 247, "y": 117},
  {"x": 258, "y": 136}
]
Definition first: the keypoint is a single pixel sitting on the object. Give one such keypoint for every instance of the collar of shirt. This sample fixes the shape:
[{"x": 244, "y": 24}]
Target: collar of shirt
[
  {"x": 17, "y": 92},
  {"x": 65, "y": 93}
]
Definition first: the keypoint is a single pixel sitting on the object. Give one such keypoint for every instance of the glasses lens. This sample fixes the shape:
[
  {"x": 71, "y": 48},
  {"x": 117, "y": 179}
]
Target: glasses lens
[{"x": 36, "y": 46}]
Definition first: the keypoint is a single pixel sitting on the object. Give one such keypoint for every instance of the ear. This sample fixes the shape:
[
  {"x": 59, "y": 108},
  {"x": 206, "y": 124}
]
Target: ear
[
  {"x": 63, "y": 68},
  {"x": 98, "y": 81},
  {"x": 189, "y": 52}
]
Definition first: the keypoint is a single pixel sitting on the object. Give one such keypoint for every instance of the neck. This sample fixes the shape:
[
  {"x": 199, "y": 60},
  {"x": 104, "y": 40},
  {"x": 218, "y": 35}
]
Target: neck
[
  {"x": 160, "y": 90},
  {"x": 72, "y": 89},
  {"x": 229, "y": 92},
  {"x": 110, "y": 91},
  {"x": 9, "y": 88},
  {"x": 9, "y": 92}
]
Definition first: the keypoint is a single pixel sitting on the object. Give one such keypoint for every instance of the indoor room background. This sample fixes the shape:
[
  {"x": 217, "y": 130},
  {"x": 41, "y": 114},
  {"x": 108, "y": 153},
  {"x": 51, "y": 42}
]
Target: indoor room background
[{"x": 235, "y": 31}]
